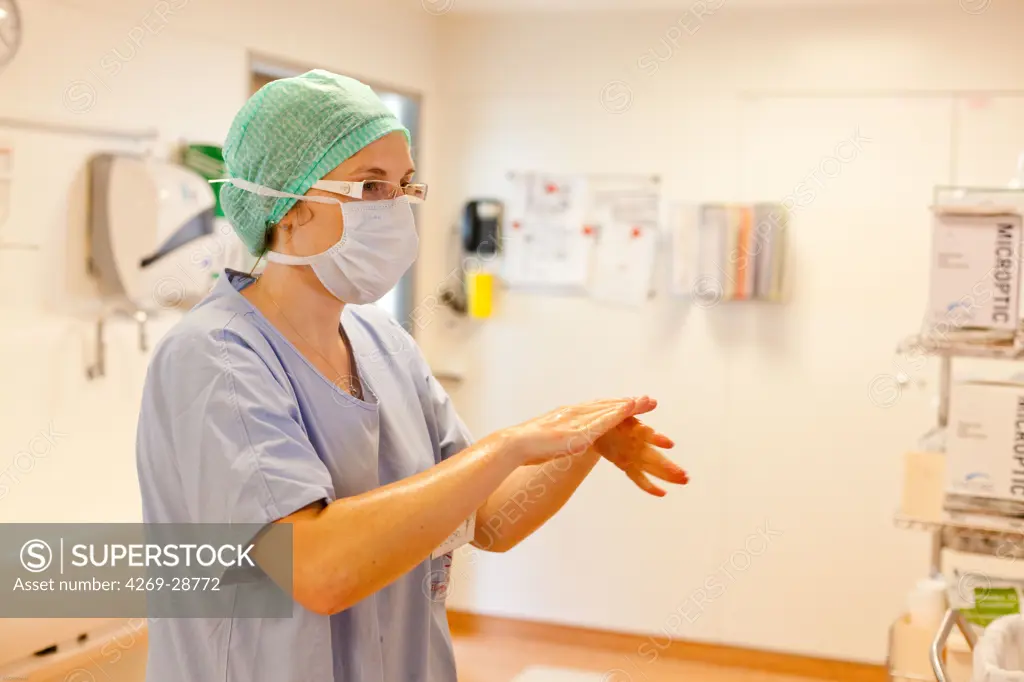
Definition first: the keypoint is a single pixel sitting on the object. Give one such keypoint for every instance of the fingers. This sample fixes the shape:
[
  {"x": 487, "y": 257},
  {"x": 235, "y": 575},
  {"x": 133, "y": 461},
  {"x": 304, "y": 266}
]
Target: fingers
[
  {"x": 631, "y": 406},
  {"x": 589, "y": 422},
  {"x": 659, "y": 440},
  {"x": 608, "y": 418},
  {"x": 647, "y": 434},
  {"x": 643, "y": 405},
  {"x": 643, "y": 482},
  {"x": 597, "y": 418},
  {"x": 660, "y": 466}
]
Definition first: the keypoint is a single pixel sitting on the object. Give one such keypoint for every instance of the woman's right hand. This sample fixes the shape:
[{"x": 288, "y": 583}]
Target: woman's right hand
[{"x": 572, "y": 430}]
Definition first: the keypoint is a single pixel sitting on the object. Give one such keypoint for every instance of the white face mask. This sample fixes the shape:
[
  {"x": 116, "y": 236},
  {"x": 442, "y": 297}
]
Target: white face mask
[{"x": 377, "y": 246}]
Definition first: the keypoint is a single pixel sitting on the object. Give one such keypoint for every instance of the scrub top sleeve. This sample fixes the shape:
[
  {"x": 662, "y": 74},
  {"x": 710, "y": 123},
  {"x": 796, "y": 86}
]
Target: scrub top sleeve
[
  {"x": 452, "y": 433},
  {"x": 454, "y": 436},
  {"x": 243, "y": 454}
]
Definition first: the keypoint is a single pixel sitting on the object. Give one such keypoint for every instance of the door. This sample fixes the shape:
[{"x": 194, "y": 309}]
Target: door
[{"x": 399, "y": 301}]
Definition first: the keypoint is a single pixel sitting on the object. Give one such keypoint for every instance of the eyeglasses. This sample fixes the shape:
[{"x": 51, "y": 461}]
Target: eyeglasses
[{"x": 373, "y": 190}]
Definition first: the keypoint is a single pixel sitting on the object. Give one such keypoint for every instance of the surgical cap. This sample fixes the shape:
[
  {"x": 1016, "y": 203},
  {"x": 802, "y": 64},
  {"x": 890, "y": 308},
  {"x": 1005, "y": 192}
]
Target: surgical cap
[{"x": 289, "y": 135}]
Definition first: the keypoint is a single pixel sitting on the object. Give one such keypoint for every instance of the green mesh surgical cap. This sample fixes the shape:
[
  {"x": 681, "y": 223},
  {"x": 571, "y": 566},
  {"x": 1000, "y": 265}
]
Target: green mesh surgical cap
[{"x": 290, "y": 134}]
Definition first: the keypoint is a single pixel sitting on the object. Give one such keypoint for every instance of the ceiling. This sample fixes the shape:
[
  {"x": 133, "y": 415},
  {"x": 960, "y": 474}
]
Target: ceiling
[{"x": 469, "y": 6}]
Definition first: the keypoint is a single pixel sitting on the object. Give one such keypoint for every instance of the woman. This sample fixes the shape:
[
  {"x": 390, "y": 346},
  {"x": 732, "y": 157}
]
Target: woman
[{"x": 260, "y": 408}]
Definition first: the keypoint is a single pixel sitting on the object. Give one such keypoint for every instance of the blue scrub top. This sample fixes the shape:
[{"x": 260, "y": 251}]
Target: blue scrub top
[{"x": 236, "y": 426}]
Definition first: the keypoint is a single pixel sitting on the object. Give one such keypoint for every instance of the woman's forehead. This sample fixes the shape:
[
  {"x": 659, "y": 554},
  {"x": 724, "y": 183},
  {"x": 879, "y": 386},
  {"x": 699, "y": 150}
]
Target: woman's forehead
[{"x": 388, "y": 156}]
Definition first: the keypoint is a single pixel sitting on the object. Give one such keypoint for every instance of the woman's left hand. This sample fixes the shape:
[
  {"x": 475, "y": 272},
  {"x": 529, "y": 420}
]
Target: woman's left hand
[{"x": 631, "y": 447}]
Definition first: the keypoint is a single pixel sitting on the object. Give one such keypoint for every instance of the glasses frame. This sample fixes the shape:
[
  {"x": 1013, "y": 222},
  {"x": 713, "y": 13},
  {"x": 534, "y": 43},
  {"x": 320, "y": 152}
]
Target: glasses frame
[{"x": 416, "y": 191}]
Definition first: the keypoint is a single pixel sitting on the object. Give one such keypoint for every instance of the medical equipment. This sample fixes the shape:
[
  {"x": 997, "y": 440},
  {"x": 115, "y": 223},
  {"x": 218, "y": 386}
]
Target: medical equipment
[
  {"x": 988, "y": 533},
  {"x": 292, "y": 133},
  {"x": 982, "y": 462},
  {"x": 479, "y": 237},
  {"x": 152, "y": 238},
  {"x": 975, "y": 280},
  {"x": 153, "y": 243},
  {"x": 378, "y": 245}
]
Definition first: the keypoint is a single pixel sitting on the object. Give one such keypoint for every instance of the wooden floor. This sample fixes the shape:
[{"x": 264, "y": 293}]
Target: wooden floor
[
  {"x": 480, "y": 658},
  {"x": 496, "y": 658}
]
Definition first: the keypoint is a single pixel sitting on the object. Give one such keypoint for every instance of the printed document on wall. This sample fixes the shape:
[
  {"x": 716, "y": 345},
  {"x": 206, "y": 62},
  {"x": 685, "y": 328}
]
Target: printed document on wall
[
  {"x": 624, "y": 215},
  {"x": 545, "y": 243}
]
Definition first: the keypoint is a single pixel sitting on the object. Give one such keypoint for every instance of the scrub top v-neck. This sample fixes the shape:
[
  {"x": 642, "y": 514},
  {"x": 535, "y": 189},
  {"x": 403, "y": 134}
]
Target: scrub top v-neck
[
  {"x": 353, "y": 364},
  {"x": 237, "y": 426}
]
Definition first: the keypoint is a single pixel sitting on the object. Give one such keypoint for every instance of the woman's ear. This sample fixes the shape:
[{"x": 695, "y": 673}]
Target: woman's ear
[{"x": 297, "y": 216}]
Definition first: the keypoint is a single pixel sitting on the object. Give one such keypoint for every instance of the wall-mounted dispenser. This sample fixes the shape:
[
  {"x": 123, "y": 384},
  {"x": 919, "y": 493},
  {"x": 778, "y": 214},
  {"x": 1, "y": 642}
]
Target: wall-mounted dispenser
[
  {"x": 154, "y": 241},
  {"x": 480, "y": 233},
  {"x": 142, "y": 213}
]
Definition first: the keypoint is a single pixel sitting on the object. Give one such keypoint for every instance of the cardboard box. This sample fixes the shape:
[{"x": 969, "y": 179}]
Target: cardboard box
[
  {"x": 985, "y": 440},
  {"x": 975, "y": 270}
]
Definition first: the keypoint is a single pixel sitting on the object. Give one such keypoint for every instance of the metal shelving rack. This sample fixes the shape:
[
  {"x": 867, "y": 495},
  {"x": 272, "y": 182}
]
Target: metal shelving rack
[
  {"x": 951, "y": 534},
  {"x": 946, "y": 347}
]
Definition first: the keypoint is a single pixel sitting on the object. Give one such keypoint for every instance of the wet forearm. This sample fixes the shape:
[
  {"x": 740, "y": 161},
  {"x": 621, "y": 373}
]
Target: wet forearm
[
  {"x": 528, "y": 498},
  {"x": 355, "y": 546}
]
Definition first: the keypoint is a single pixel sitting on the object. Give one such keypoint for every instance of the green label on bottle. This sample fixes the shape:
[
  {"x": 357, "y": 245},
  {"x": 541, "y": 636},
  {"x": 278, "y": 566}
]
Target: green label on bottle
[{"x": 991, "y": 603}]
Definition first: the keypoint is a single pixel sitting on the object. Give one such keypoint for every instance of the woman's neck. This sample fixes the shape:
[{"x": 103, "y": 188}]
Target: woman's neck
[{"x": 297, "y": 294}]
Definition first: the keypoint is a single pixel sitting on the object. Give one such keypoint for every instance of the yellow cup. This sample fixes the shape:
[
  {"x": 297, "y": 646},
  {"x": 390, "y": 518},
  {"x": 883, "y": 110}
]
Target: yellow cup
[{"x": 480, "y": 292}]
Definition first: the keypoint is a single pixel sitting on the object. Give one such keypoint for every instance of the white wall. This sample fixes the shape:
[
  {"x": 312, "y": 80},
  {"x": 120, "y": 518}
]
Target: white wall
[
  {"x": 769, "y": 405},
  {"x": 185, "y": 75}
]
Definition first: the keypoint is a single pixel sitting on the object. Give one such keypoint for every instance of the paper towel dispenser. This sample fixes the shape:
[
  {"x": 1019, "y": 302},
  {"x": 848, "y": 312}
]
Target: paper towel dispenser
[{"x": 154, "y": 242}]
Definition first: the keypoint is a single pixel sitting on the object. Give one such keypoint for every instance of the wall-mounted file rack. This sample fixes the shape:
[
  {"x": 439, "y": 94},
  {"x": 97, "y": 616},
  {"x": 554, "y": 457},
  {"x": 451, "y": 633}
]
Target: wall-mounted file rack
[{"x": 741, "y": 251}]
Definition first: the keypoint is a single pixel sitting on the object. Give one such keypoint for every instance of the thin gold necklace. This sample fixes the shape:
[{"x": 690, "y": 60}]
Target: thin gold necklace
[{"x": 353, "y": 387}]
